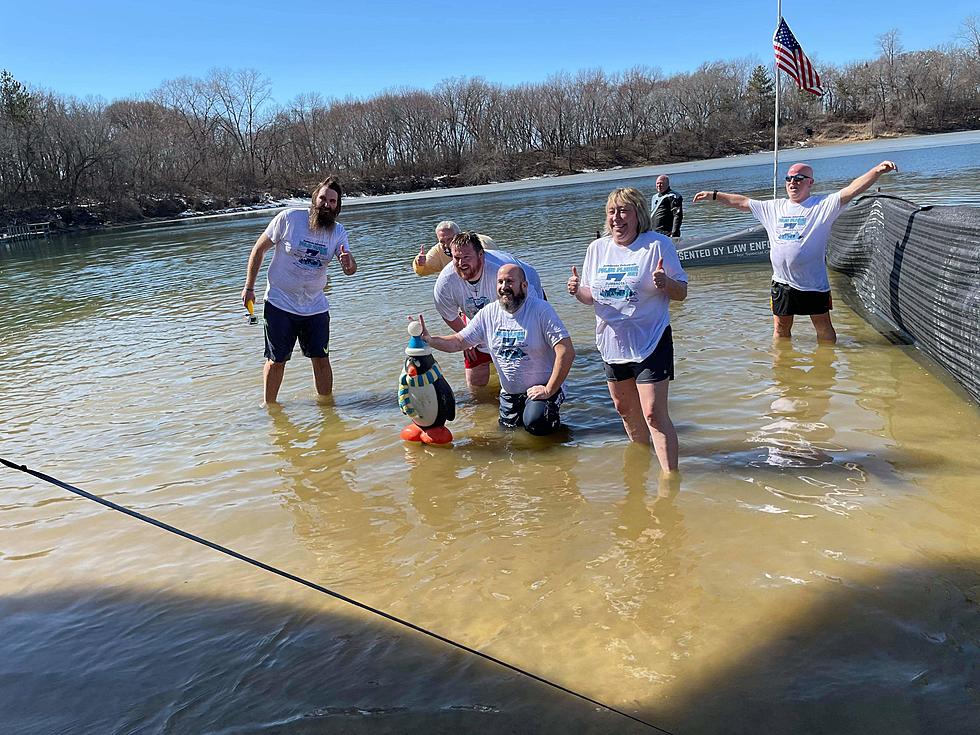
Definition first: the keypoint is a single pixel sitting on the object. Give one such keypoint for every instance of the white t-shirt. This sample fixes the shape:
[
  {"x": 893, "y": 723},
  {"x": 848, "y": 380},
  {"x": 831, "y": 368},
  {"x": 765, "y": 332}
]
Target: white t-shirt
[
  {"x": 298, "y": 271},
  {"x": 452, "y": 294},
  {"x": 798, "y": 235},
  {"x": 631, "y": 313},
  {"x": 522, "y": 344}
]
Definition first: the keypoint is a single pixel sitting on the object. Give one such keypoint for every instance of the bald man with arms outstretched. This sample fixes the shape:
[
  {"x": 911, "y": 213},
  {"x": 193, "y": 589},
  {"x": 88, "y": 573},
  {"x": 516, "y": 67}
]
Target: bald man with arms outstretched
[{"x": 799, "y": 229}]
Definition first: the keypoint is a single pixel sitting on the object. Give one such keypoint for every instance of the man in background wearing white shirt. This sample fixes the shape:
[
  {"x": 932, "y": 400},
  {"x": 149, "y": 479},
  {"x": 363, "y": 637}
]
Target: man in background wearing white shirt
[{"x": 799, "y": 228}]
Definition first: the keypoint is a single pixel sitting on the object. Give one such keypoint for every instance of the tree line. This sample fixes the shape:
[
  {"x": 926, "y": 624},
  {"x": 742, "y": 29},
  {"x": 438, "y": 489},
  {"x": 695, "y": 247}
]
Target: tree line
[{"x": 206, "y": 142}]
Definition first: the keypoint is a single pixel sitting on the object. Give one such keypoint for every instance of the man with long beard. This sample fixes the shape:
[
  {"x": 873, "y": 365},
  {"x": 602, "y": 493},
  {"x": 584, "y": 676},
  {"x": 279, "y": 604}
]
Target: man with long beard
[
  {"x": 295, "y": 306},
  {"x": 529, "y": 346}
]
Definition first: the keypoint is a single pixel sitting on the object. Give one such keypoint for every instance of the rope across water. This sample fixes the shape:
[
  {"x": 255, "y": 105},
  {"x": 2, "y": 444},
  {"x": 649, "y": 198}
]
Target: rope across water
[{"x": 314, "y": 586}]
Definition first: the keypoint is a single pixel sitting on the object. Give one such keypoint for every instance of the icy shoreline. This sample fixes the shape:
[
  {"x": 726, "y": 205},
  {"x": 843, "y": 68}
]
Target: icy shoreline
[{"x": 751, "y": 159}]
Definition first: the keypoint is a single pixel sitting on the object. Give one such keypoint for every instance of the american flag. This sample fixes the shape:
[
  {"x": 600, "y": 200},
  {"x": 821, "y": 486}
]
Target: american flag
[{"x": 791, "y": 59}]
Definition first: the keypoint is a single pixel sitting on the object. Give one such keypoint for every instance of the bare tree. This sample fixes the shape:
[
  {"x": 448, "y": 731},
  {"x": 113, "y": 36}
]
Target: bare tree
[
  {"x": 242, "y": 96},
  {"x": 223, "y": 136}
]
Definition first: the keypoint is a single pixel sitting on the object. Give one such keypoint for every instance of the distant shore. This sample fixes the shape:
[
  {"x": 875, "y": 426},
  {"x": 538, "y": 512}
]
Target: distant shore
[
  {"x": 829, "y": 149},
  {"x": 810, "y": 153}
]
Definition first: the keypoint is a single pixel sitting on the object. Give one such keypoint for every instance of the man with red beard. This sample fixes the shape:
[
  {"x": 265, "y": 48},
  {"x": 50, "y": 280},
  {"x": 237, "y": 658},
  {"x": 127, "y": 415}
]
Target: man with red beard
[{"x": 295, "y": 306}]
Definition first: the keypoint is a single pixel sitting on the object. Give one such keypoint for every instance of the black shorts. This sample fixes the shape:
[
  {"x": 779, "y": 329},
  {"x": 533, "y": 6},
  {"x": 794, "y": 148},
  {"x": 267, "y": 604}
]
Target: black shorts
[
  {"x": 657, "y": 366},
  {"x": 537, "y": 417},
  {"x": 282, "y": 329},
  {"x": 787, "y": 301}
]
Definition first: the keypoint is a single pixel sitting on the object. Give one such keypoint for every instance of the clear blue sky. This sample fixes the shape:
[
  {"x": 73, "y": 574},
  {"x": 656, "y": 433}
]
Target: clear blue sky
[{"x": 125, "y": 49}]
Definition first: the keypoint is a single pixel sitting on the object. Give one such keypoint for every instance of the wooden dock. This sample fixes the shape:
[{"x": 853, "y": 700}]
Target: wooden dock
[{"x": 25, "y": 232}]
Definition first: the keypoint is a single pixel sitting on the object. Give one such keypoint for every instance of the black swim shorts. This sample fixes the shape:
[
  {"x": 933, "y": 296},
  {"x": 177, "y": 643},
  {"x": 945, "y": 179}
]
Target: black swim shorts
[
  {"x": 283, "y": 328},
  {"x": 788, "y": 301},
  {"x": 657, "y": 366}
]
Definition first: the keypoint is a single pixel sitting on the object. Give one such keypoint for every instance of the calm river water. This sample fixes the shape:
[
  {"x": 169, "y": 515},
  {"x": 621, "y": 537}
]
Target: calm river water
[{"x": 817, "y": 570}]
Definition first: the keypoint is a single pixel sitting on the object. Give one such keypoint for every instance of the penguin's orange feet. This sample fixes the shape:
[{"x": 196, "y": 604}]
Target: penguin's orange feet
[
  {"x": 437, "y": 435},
  {"x": 412, "y": 433}
]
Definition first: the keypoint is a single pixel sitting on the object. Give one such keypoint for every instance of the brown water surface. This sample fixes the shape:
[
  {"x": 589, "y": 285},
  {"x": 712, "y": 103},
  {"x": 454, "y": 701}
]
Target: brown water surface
[{"x": 815, "y": 569}]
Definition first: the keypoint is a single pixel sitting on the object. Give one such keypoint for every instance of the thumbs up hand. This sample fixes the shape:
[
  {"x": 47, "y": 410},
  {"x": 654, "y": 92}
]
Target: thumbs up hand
[
  {"x": 660, "y": 275},
  {"x": 346, "y": 259},
  {"x": 573, "y": 282},
  {"x": 420, "y": 258}
]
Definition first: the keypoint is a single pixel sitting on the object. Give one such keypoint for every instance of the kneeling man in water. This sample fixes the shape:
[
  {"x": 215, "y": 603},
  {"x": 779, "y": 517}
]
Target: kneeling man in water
[
  {"x": 529, "y": 346},
  {"x": 798, "y": 229},
  {"x": 467, "y": 285}
]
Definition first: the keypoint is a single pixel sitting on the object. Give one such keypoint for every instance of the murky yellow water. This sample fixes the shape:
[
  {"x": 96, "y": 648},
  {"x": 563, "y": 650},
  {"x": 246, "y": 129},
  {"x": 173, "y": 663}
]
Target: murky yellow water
[{"x": 815, "y": 569}]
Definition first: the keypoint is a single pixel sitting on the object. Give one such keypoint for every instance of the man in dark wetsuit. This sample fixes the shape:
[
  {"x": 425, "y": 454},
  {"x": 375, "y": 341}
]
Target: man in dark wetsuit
[{"x": 667, "y": 210}]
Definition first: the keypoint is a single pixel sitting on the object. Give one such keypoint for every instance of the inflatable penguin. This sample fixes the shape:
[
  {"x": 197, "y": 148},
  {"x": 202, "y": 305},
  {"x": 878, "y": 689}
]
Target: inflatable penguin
[{"x": 424, "y": 394}]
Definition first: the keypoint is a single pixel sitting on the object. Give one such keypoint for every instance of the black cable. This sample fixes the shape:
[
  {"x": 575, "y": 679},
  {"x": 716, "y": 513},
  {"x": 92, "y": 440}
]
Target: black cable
[{"x": 313, "y": 585}]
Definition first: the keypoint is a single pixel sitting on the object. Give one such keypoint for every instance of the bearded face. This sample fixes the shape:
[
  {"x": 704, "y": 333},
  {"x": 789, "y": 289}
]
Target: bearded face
[
  {"x": 323, "y": 218},
  {"x": 511, "y": 289},
  {"x": 324, "y": 209},
  {"x": 467, "y": 261}
]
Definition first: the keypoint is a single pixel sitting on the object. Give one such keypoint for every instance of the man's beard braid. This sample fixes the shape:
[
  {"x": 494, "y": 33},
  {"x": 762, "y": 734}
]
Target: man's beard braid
[{"x": 321, "y": 219}]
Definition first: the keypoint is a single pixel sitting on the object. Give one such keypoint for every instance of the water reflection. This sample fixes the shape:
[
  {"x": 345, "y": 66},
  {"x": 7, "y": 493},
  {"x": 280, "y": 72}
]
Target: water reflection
[
  {"x": 647, "y": 528},
  {"x": 799, "y": 435},
  {"x": 494, "y": 485},
  {"x": 338, "y": 518},
  {"x": 435, "y": 502},
  {"x": 799, "y": 440}
]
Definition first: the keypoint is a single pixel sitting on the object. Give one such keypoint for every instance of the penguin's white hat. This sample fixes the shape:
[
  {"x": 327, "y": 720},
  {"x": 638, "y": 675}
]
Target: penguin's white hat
[{"x": 416, "y": 345}]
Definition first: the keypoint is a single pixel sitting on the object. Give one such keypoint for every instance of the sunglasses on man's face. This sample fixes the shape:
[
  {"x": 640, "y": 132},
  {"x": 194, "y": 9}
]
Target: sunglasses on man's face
[{"x": 798, "y": 178}]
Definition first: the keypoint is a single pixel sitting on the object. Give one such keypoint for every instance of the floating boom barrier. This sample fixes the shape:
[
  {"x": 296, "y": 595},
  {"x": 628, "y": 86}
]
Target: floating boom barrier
[{"x": 915, "y": 271}]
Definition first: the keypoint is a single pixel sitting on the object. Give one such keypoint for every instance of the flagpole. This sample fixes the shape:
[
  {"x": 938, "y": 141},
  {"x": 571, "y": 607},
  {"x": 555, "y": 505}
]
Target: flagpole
[{"x": 775, "y": 135}]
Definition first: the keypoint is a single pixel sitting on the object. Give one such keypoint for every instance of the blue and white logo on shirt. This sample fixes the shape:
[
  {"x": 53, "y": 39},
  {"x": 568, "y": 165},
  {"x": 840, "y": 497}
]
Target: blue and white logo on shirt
[
  {"x": 310, "y": 254},
  {"x": 616, "y": 286},
  {"x": 789, "y": 228},
  {"x": 509, "y": 342},
  {"x": 475, "y": 303}
]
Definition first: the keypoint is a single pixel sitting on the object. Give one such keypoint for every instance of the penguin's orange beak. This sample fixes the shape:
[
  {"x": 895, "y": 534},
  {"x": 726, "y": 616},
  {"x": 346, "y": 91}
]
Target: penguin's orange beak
[{"x": 411, "y": 371}]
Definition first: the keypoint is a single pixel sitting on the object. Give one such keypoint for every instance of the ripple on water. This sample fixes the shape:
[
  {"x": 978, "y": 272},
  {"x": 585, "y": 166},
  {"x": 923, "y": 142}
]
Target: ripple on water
[{"x": 814, "y": 542}]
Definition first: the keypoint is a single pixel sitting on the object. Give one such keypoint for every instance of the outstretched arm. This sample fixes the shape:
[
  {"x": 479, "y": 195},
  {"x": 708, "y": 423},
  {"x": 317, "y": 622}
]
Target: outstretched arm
[
  {"x": 449, "y": 343},
  {"x": 738, "y": 201},
  {"x": 863, "y": 182}
]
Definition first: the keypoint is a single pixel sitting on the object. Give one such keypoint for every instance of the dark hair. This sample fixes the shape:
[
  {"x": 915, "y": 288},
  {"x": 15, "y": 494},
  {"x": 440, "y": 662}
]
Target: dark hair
[
  {"x": 331, "y": 182},
  {"x": 468, "y": 238}
]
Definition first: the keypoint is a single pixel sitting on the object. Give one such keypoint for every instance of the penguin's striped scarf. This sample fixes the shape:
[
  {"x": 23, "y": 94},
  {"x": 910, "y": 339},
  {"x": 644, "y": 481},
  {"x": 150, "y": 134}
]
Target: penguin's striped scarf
[{"x": 429, "y": 377}]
